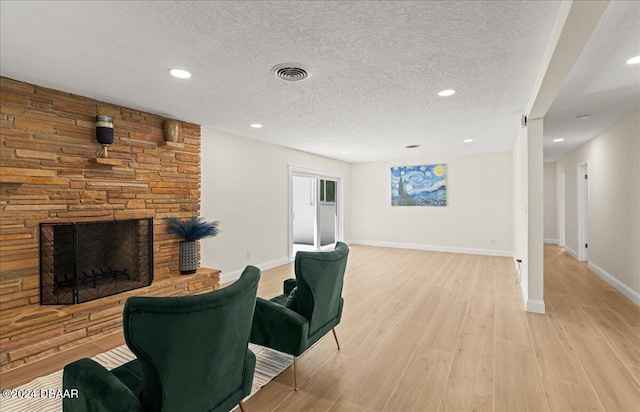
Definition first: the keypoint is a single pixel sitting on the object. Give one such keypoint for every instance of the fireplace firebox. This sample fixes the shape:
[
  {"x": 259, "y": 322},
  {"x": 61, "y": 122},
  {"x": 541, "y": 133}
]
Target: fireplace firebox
[{"x": 84, "y": 261}]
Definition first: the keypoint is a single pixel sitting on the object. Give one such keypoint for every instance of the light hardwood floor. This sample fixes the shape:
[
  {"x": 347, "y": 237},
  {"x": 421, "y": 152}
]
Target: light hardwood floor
[{"x": 428, "y": 331}]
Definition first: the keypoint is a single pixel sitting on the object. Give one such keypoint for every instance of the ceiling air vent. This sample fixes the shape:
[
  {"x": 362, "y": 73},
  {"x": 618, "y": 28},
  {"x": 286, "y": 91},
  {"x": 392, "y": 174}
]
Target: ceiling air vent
[{"x": 290, "y": 72}]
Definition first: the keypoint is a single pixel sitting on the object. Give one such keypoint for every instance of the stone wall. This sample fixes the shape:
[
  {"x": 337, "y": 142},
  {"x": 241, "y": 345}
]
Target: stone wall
[{"x": 49, "y": 173}]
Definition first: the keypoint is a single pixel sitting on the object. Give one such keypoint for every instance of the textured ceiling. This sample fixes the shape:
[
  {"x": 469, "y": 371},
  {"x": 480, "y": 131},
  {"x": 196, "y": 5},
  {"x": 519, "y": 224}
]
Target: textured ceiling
[
  {"x": 600, "y": 84},
  {"x": 376, "y": 67}
]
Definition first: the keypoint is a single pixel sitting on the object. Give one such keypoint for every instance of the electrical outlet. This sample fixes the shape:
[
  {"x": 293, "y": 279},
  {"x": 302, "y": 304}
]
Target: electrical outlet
[
  {"x": 248, "y": 255},
  {"x": 493, "y": 241}
]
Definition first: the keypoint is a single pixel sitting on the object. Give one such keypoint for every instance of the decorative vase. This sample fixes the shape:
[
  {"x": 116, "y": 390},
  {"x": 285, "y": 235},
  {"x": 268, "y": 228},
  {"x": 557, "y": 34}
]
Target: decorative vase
[
  {"x": 188, "y": 257},
  {"x": 171, "y": 130}
]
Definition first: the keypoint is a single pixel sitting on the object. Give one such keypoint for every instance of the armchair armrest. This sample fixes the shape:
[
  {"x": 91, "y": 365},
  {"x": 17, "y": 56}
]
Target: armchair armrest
[
  {"x": 279, "y": 328},
  {"x": 289, "y": 284},
  {"x": 98, "y": 389}
]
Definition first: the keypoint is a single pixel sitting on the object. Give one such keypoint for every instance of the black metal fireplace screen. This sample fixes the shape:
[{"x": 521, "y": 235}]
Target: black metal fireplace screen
[{"x": 90, "y": 260}]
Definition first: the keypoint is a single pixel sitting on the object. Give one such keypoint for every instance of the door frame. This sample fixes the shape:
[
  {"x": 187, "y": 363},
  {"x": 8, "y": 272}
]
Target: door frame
[
  {"x": 562, "y": 189},
  {"x": 583, "y": 210},
  {"x": 303, "y": 171}
]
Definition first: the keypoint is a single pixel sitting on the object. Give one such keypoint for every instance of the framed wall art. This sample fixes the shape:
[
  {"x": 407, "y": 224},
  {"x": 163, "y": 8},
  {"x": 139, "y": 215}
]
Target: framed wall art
[{"x": 423, "y": 185}]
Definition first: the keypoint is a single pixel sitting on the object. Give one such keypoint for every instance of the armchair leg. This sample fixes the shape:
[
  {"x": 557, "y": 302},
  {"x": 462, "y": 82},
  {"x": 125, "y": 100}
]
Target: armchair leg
[
  {"x": 241, "y": 405},
  {"x": 295, "y": 373},
  {"x": 336, "y": 337}
]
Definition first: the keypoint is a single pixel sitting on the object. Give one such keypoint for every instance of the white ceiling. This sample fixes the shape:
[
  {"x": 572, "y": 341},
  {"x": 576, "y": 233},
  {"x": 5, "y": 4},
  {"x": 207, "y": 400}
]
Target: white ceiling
[
  {"x": 376, "y": 67},
  {"x": 600, "y": 84}
]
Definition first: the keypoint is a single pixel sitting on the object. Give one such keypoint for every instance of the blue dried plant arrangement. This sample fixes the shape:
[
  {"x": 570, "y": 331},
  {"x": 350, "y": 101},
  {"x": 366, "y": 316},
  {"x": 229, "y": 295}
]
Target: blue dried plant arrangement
[{"x": 193, "y": 229}]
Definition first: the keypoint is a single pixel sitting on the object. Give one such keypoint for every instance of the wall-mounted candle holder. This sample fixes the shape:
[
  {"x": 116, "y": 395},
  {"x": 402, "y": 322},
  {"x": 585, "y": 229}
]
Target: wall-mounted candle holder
[{"x": 104, "y": 132}]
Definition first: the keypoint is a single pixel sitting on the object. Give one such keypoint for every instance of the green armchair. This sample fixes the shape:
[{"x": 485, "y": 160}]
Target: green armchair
[
  {"x": 310, "y": 307},
  {"x": 192, "y": 355}
]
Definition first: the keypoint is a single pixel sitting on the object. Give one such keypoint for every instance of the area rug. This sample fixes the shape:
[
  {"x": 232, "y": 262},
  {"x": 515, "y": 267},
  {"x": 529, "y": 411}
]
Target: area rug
[{"x": 269, "y": 364}]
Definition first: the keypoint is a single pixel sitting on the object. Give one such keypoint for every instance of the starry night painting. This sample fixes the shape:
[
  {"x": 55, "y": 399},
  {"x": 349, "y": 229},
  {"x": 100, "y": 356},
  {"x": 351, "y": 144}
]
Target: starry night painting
[{"x": 419, "y": 185}]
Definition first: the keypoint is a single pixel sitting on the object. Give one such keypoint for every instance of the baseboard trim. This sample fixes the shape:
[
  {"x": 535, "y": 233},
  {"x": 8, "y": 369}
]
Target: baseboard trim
[
  {"x": 551, "y": 241},
  {"x": 433, "y": 248},
  {"x": 613, "y": 281},
  {"x": 234, "y": 275},
  {"x": 535, "y": 306},
  {"x": 571, "y": 252}
]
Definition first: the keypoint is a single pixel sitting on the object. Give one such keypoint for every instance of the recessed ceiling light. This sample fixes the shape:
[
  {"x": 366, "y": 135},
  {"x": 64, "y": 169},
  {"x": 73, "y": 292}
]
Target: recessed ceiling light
[
  {"x": 583, "y": 116},
  {"x": 634, "y": 60},
  {"x": 179, "y": 73},
  {"x": 413, "y": 146},
  {"x": 448, "y": 92},
  {"x": 558, "y": 140},
  {"x": 345, "y": 152},
  {"x": 468, "y": 140},
  {"x": 256, "y": 125}
]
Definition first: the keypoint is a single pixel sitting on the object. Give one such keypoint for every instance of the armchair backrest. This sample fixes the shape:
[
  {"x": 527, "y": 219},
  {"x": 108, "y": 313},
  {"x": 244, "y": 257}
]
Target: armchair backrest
[
  {"x": 192, "y": 349},
  {"x": 320, "y": 276}
]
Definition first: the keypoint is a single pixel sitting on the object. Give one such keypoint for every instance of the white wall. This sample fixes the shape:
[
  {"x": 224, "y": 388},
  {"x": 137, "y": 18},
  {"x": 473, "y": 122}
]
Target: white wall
[
  {"x": 479, "y": 207},
  {"x": 245, "y": 186},
  {"x": 614, "y": 203},
  {"x": 528, "y": 213},
  {"x": 535, "y": 298},
  {"x": 550, "y": 203},
  {"x": 520, "y": 208}
]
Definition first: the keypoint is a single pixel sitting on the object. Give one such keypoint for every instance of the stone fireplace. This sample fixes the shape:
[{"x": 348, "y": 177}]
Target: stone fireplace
[
  {"x": 84, "y": 261},
  {"x": 50, "y": 173}
]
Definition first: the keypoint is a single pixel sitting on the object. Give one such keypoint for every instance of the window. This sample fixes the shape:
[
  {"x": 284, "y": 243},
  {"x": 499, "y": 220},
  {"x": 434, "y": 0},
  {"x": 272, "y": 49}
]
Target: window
[{"x": 327, "y": 191}]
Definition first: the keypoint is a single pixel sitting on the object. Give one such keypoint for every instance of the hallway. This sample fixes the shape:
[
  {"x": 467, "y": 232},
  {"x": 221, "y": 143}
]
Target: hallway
[{"x": 588, "y": 343}]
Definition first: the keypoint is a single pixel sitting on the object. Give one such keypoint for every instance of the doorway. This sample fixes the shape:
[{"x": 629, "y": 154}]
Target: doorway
[
  {"x": 583, "y": 211},
  {"x": 561, "y": 207},
  {"x": 315, "y": 210}
]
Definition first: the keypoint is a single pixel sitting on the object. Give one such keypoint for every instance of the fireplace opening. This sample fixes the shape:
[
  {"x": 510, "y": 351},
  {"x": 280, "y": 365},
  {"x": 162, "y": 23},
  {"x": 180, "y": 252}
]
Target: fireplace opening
[{"x": 84, "y": 261}]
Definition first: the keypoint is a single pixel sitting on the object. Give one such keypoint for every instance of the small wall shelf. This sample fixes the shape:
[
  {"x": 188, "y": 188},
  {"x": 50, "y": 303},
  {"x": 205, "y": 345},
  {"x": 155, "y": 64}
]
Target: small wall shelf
[
  {"x": 173, "y": 145},
  {"x": 107, "y": 161}
]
